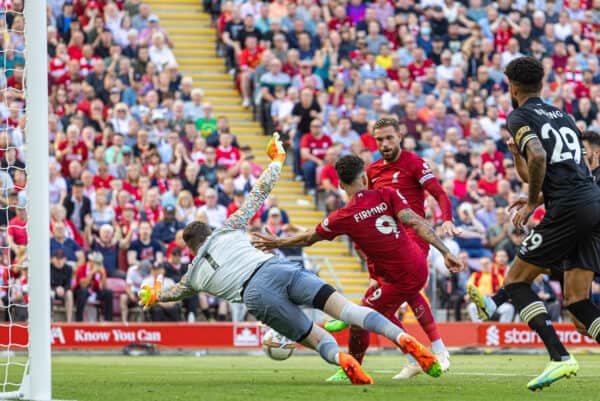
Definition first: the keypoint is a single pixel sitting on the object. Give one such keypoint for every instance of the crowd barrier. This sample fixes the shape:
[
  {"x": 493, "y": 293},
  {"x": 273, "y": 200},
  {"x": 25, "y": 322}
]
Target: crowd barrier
[{"x": 248, "y": 335}]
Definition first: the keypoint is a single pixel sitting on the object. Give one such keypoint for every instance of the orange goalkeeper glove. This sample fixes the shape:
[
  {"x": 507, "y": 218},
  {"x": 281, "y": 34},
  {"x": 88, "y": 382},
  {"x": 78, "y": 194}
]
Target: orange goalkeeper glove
[
  {"x": 275, "y": 149},
  {"x": 149, "y": 295}
]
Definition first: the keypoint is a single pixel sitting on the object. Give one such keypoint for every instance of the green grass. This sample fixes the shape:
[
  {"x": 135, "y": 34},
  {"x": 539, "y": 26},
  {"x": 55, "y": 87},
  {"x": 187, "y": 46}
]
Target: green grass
[{"x": 256, "y": 378}]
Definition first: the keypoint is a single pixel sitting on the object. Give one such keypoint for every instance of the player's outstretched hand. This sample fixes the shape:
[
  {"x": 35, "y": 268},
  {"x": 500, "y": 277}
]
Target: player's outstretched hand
[
  {"x": 453, "y": 264},
  {"x": 149, "y": 295},
  {"x": 275, "y": 149},
  {"x": 517, "y": 205},
  {"x": 522, "y": 216},
  {"x": 264, "y": 242},
  {"x": 448, "y": 228}
]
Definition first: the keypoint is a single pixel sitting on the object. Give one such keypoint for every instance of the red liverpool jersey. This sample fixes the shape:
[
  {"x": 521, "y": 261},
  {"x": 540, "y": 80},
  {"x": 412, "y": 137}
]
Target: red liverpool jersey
[
  {"x": 408, "y": 174},
  {"x": 370, "y": 220}
]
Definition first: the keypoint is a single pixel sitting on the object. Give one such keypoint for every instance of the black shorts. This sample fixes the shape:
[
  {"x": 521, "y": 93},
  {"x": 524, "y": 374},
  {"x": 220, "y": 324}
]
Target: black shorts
[{"x": 567, "y": 237}]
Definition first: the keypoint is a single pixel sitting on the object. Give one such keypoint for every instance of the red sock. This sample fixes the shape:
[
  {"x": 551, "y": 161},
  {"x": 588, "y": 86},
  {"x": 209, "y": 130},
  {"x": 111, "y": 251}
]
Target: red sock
[
  {"x": 359, "y": 342},
  {"x": 422, "y": 312}
]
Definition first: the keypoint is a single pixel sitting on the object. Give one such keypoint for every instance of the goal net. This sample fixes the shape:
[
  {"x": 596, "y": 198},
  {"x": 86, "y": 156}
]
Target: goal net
[{"x": 24, "y": 207}]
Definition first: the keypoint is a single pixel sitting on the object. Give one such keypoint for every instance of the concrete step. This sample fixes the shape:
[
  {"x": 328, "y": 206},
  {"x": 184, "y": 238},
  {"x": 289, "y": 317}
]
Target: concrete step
[
  {"x": 183, "y": 8},
  {"x": 195, "y": 52},
  {"x": 153, "y": 2},
  {"x": 168, "y": 21},
  {"x": 186, "y": 56},
  {"x": 345, "y": 275},
  {"x": 217, "y": 85},
  {"x": 326, "y": 252},
  {"x": 190, "y": 31}
]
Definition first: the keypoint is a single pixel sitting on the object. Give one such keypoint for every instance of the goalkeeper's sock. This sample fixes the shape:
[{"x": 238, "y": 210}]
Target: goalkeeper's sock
[
  {"x": 500, "y": 297},
  {"x": 534, "y": 313},
  {"x": 370, "y": 320},
  {"x": 329, "y": 349},
  {"x": 589, "y": 315},
  {"x": 358, "y": 343},
  {"x": 422, "y": 312}
]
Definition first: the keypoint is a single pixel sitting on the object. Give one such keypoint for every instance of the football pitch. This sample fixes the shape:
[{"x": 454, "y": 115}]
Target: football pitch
[{"x": 257, "y": 378}]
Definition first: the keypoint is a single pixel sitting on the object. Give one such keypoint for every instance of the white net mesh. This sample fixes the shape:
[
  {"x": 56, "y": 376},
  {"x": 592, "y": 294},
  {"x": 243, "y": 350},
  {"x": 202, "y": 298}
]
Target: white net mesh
[{"x": 13, "y": 200}]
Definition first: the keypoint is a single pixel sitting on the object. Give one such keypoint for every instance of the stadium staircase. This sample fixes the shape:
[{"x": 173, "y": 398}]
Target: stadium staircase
[{"x": 195, "y": 49}]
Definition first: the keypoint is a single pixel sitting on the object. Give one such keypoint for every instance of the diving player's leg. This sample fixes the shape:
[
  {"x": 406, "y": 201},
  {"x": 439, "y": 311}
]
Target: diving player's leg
[
  {"x": 324, "y": 343},
  {"x": 341, "y": 308}
]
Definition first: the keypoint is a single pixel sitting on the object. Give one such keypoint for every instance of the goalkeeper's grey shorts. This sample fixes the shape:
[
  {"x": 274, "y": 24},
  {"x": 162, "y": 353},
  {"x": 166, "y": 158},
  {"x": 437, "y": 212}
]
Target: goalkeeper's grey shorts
[{"x": 275, "y": 292}]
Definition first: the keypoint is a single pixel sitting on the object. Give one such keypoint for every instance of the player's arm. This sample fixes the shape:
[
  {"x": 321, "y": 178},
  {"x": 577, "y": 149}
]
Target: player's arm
[
  {"x": 425, "y": 231},
  {"x": 151, "y": 295},
  {"x": 429, "y": 183},
  {"x": 262, "y": 188},
  {"x": 267, "y": 242},
  {"x": 520, "y": 163},
  {"x": 536, "y": 168}
]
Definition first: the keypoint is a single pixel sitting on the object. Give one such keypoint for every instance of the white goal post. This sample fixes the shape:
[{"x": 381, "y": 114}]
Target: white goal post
[{"x": 37, "y": 378}]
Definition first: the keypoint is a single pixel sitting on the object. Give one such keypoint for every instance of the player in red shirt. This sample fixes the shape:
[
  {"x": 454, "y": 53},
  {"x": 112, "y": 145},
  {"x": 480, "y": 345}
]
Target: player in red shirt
[
  {"x": 374, "y": 219},
  {"x": 409, "y": 174},
  {"x": 250, "y": 58}
]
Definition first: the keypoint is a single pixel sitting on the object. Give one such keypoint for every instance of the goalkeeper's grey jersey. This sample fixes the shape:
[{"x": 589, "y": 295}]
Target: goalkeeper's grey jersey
[{"x": 223, "y": 264}]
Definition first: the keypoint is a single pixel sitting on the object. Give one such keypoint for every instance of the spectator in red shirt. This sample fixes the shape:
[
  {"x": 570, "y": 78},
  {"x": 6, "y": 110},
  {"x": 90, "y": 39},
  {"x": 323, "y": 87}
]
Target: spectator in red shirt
[
  {"x": 418, "y": 66},
  {"x": 71, "y": 149},
  {"x": 491, "y": 154},
  {"x": 250, "y": 58},
  {"x": 103, "y": 178},
  {"x": 488, "y": 184},
  {"x": 227, "y": 155},
  {"x": 17, "y": 229},
  {"x": 340, "y": 19},
  {"x": 329, "y": 181},
  {"x": 91, "y": 282},
  {"x": 313, "y": 148},
  {"x": 152, "y": 211}
]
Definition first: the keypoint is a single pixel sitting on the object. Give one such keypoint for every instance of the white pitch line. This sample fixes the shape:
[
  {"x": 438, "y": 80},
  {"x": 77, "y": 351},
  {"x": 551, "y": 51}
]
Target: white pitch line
[{"x": 453, "y": 373}]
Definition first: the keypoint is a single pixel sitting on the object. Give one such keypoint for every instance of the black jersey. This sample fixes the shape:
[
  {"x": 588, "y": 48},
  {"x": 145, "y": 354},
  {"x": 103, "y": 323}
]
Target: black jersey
[{"x": 568, "y": 179}]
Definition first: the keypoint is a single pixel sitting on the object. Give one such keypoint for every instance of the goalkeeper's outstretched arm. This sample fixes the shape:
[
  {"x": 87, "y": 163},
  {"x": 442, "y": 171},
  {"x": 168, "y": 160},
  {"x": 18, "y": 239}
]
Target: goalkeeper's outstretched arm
[
  {"x": 151, "y": 295},
  {"x": 262, "y": 188}
]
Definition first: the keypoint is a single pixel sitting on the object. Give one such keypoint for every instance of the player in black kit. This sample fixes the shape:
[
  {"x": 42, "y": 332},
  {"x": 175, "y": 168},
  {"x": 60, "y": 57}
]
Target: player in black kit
[{"x": 549, "y": 156}]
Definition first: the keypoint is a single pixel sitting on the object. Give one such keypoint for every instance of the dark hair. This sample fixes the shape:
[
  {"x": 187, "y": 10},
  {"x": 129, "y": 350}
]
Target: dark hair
[
  {"x": 386, "y": 122},
  {"x": 195, "y": 233},
  {"x": 527, "y": 73},
  {"x": 348, "y": 168},
  {"x": 593, "y": 138}
]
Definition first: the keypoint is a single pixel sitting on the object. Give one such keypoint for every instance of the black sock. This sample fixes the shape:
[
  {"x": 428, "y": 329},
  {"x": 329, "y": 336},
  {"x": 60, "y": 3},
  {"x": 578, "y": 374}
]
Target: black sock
[
  {"x": 221, "y": 318},
  {"x": 534, "y": 313},
  {"x": 206, "y": 314},
  {"x": 589, "y": 315},
  {"x": 500, "y": 297}
]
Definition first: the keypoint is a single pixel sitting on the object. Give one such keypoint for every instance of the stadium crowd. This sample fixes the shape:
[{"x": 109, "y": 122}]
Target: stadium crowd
[{"x": 137, "y": 153}]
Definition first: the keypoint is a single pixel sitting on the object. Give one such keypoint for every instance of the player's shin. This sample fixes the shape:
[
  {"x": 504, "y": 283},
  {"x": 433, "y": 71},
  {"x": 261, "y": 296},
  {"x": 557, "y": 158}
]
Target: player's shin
[
  {"x": 358, "y": 342},
  {"x": 423, "y": 313},
  {"x": 534, "y": 313},
  {"x": 588, "y": 314},
  {"x": 377, "y": 323}
]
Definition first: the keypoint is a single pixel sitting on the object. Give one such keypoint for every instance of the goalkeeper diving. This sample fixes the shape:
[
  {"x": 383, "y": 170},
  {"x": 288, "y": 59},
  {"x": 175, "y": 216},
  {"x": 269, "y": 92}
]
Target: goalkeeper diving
[{"x": 228, "y": 266}]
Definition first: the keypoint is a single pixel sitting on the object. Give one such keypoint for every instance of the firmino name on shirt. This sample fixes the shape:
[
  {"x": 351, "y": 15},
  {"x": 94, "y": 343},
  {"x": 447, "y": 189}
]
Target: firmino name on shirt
[{"x": 365, "y": 214}]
